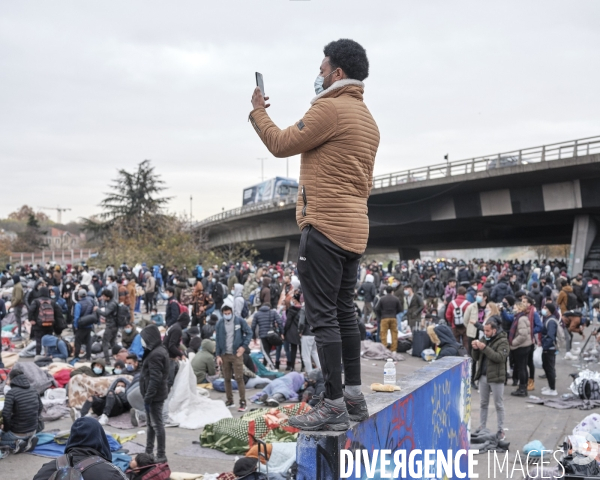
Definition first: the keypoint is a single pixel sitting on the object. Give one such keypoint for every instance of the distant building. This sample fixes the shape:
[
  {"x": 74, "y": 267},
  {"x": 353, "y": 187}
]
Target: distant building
[
  {"x": 7, "y": 235},
  {"x": 57, "y": 239}
]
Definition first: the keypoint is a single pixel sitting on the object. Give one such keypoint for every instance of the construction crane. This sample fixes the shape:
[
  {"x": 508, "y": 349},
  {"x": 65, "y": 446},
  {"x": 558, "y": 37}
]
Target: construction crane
[{"x": 58, "y": 212}]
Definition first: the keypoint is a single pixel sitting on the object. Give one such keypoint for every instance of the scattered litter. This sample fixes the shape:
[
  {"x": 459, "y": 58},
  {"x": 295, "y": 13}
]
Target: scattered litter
[{"x": 141, "y": 432}]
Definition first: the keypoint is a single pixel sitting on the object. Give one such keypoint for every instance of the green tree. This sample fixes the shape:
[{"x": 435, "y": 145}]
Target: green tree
[
  {"x": 32, "y": 238},
  {"x": 134, "y": 205}
]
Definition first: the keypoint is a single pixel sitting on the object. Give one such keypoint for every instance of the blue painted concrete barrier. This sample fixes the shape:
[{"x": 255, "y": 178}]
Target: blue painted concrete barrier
[{"x": 432, "y": 411}]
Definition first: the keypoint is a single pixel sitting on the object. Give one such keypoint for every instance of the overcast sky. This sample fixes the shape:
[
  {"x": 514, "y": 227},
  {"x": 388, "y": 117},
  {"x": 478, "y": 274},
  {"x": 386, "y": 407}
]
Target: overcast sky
[{"x": 90, "y": 87}]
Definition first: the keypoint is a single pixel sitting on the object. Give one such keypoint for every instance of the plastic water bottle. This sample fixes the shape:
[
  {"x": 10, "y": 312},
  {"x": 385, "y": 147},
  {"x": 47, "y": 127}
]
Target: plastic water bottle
[{"x": 389, "y": 372}]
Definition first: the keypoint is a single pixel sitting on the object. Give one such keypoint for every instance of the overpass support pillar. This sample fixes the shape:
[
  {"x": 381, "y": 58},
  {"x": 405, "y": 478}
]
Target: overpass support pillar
[
  {"x": 290, "y": 254},
  {"x": 409, "y": 253},
  {"x": 584, "y": 233}
]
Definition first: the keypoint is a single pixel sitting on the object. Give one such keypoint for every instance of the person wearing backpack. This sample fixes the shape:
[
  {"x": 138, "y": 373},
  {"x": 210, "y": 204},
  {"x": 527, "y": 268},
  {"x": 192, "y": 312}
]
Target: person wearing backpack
[
  {"x": 550, "y": 335},
  {"x": 455, "y": 315},
  {"x": 87, "y": 452},
  {"x": 55, "y": 347},
  {"x": 110, "y": 312},
  {"x": 566, "y": 300},
  {"x": 46, "y": 318},
  {"x": 265, "y": 325}
]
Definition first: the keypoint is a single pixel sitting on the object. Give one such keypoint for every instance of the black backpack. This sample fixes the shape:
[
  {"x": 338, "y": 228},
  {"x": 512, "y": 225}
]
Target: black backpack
[
  {"x": 571, "y": 301},
  {"x": 123, "y": 315},
  {"x": 66, "y": 471}
]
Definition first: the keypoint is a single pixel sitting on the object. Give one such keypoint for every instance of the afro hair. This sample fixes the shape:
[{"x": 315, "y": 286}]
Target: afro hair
[{"x": 349, "y": 56}]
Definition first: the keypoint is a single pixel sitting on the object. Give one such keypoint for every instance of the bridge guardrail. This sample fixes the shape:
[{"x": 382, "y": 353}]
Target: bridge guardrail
[{"x": 544, "y": 153}]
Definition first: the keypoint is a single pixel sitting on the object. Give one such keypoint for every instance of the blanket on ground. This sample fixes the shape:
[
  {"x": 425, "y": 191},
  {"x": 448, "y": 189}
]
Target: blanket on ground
[
  {"x": 562, "y": 404},
  {"x": 39, "y": 379},
  {"x": 376, "y": 351},
  {"x": 237, "y": 435},
  {"x": 187, "y": 407},
  {"x": 82, "y": 386}
]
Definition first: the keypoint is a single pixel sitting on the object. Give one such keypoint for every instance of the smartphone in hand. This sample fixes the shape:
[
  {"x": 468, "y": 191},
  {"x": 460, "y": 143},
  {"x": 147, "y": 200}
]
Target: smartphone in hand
[{"x": 260, "y": 84}]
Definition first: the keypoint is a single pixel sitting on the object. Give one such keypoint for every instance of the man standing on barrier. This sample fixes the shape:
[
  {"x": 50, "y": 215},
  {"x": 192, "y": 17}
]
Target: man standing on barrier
[{"x": 338, "y": 140}]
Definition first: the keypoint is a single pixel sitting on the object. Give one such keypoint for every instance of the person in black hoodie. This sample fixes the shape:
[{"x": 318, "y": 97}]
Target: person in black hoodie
[
  {"x": 448, "y": 344},
  {"x": 22, "y": 408},
  {"x": 46, "y": 317},
  {"x": 172, "y": 310},
  {"x": 87, "y": 440},
  {"x": 208, "y": 329},
  {"x": 153, "y": 387}
]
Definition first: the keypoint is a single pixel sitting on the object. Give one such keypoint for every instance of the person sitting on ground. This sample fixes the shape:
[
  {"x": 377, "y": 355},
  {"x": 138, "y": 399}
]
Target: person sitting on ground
[
  {"x": 119, "y": 353},
  {"x": 286, "y": 388},
  {"x": 55, "y": 347},
  {"x": 132, "y": 365},
  {"x": 119, "y": 368},
  {"x": 157, "y": 318},
  {"x": 128, "y": 334},
  {"x": 20, "y": 414},
  {"x": 208, "y": 329},
  {"x": 87, "y": 440},
  {"x": 191, "y": 339},
  {"x": 97, "y": 369},
  {"x": 449, "y": 347},
  {"x": 203, "y": 362},
  {"x": 113, "y": 404}
]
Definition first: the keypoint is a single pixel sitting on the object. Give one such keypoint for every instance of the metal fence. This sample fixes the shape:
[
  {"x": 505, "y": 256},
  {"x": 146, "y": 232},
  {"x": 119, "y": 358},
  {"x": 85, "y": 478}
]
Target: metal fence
[
  {"x": 59, "y": 256},
  {"x": 544, "y": 153}
]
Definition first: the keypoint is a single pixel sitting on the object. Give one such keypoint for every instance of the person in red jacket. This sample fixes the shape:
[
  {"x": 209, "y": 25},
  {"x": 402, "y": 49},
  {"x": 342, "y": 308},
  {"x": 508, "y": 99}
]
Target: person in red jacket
[{"x": 455, "y": 314}]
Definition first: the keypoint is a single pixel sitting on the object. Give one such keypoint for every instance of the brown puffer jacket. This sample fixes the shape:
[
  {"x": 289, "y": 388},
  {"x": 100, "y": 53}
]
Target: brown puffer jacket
[{"x": 338, "y": 140}]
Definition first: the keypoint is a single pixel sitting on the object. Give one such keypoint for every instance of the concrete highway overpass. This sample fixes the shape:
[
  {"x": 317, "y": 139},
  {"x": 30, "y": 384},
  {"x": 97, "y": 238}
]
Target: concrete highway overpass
[{"x": 536, "y": 196}]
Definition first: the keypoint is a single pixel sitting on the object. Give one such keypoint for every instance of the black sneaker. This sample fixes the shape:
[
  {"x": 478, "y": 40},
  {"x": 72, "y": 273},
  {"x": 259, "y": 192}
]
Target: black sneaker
[
  {"x": 20, "y": 446},
  {"x": 324, "y": 416},
  {"x": 243, "y": 407},
  {"x": 271, "y": 402},
  {"x": 356, "y": 407},
  {"x": 519, "y": 393},
  {"x": 32, "y": 443}
]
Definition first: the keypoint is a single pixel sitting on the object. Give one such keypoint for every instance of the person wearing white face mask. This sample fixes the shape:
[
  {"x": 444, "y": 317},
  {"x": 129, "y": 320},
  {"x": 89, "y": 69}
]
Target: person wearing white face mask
[
  {"x": 113, "y": 404},
  {"x": 338, "y": 140}
]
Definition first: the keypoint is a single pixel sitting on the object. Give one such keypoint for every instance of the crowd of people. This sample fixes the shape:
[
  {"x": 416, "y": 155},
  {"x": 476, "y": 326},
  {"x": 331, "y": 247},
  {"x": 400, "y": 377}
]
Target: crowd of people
[{"x": 496, "y": 312}]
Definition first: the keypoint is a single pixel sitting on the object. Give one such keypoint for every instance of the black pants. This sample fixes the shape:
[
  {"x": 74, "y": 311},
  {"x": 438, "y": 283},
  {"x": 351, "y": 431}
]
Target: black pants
[
  {"x": 530, "y": 364},
  {"x": 108, "y": 341},
  {"x": 155, "y": 429},
  {"x": 328, "y": 275},
  {"x": 83, "y": 336},
  {"x": 521, "y": 355},
  {"x": 198, "y": 320},
  {"x": 111, "y": 406},
  {"x": 38, "y": 333},
  {"x": 292, "y": 356},
  {"x": 549, "y": 362},
  {"x": 149, "y": 301}
]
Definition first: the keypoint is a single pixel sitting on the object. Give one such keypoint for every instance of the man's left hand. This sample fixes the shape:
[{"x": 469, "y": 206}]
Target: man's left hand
[
  {"x": 240, "y": 351},
  {"x": 258, "y": 101}
]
